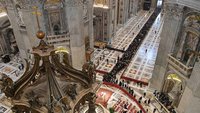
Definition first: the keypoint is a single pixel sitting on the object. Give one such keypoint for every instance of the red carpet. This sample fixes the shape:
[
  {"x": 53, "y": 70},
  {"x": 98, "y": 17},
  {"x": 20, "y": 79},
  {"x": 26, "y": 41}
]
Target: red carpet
[{"x": 129, "y": 95}]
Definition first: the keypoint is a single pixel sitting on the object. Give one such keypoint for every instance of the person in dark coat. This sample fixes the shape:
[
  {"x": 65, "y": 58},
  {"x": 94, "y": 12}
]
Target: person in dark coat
[
  {"x": 149, "y": 101},
  {"x": 154, "y": 110},
  {"x": 144, "y": 94}
]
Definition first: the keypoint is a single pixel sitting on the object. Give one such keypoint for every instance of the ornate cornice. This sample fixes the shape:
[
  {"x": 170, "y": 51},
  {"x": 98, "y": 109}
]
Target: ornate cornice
[{"x": 195, "y": 4}]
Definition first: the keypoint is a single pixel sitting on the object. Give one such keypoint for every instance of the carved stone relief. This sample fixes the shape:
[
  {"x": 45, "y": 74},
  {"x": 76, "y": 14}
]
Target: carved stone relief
[{"x": 173, "y": 10}]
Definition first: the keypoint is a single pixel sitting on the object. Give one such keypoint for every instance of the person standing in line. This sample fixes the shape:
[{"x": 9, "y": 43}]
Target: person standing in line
[
  {"x": 145, "y": 50},
  {"x": 154, "y": 110},
  {"x": 107, "y": 61},
  {"x": 149, "y": 101},
  {"x": 144, "y": 94}
]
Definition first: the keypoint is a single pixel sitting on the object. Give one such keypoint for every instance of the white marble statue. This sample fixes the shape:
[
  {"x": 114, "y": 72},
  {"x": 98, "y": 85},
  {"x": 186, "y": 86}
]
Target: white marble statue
[{"x": 19, "y": 15}]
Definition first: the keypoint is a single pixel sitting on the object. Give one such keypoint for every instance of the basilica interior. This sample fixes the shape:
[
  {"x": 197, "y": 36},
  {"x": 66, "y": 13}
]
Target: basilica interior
[{"x": 99, "y": 56}]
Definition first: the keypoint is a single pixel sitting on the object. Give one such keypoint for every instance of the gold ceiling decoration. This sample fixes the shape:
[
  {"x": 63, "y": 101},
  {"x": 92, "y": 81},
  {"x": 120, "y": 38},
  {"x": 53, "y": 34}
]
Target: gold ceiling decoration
[
  {"x": 194, "y": 17},
  {"x": 61, "y": 49},
  {"x": 174, "y": 77},
  {"x": 2, "y": 10},
  {"x": 102, "y": 2}
]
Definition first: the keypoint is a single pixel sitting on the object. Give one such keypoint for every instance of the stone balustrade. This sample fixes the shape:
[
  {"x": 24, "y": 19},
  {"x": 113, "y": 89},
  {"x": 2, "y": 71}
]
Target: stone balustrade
[
  {"x": 58, "y": 39},
  {"x": 185, "y": 70}
]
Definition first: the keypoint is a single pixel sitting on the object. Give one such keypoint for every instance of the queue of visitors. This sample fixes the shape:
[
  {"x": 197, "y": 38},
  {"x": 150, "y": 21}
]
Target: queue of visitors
[
  {"x": 132, "y": 49},
  {"x": 126, "y": 58}
]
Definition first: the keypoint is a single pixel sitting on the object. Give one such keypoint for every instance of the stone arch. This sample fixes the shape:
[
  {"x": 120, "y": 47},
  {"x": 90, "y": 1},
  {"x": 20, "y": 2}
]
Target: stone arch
[
  {"x": 174, "y": 87},
  {"x": 55, "y": 14},
  {"x": 188, "y": 40}
]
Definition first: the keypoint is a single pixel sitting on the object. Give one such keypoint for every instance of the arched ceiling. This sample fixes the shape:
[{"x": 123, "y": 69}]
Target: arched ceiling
[{"x": 4, "y": 21}]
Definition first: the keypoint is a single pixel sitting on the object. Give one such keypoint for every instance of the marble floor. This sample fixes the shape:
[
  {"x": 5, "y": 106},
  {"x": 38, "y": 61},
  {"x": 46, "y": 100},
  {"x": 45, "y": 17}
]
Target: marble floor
[
  {"x": 4, "y": 109},
  {"x": 123, "y": 38},
  {"x": 140, "y": 67},
  {"x": 142, "y": 64},
  {"x": 11, "y": 69}
]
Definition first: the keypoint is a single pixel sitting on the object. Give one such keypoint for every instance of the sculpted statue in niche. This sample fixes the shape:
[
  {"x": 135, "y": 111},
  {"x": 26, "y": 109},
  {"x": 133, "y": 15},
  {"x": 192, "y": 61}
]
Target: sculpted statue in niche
[
  {"x": 190, "y": 44},
  {"x": 19, "y": 15},
  {"x": 85, "y": 8}
]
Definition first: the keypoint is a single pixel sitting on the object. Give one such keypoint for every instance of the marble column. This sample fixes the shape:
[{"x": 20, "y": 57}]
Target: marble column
[
  {"x": 22, "y": 42},
  {"x": 25, "y": 35},
  {"x": 154, "y": 3},
  {"x": 91, "y": 32},
  {"x": 74, "y": 12},
  {"x": 190, "y": 100},
  {"x": 169, "y": 34},
  {"x": 135, "y": 7}
]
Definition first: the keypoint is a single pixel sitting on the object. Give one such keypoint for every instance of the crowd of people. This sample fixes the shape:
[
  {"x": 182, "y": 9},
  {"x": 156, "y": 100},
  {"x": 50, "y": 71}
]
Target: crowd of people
[
  {"x": 143, "y": 99},
  {"x": 165, "y": 100},
  {"x": 131, "y": 50}
]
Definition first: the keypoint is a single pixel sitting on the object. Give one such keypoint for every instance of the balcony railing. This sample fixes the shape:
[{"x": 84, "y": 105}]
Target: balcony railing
[
  {"x": 58, "y": 39},
  {"x": 185, "y": 70}
]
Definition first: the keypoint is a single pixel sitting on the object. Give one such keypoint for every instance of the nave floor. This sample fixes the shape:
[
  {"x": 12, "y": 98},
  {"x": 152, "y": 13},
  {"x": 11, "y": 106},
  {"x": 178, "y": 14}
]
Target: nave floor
[{"x": 142, "y": 64}]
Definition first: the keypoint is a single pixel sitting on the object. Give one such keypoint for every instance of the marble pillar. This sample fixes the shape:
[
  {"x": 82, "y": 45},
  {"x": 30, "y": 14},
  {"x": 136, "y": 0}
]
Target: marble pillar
[
  {"x": 190, "y": 100},
  {"x": 154, "y": 4},
  {"x": 22, "y": 42},
  {"x": 169, "y": 34},
  {"x": 135, "y": 7},
  {"x": 74, "y": 11},
  {"x": 91, "y": 32},
  {"x": 25, "y": 32}
]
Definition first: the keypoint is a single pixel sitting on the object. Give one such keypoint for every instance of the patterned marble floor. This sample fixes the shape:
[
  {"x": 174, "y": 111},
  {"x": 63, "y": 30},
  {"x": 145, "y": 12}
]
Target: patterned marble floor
[
  {"x": 123, "y": 38},
  {"x": 141, "y": 66},
  {"x": 11, "y": 69},
  {"x": 4, "y": 109}
]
